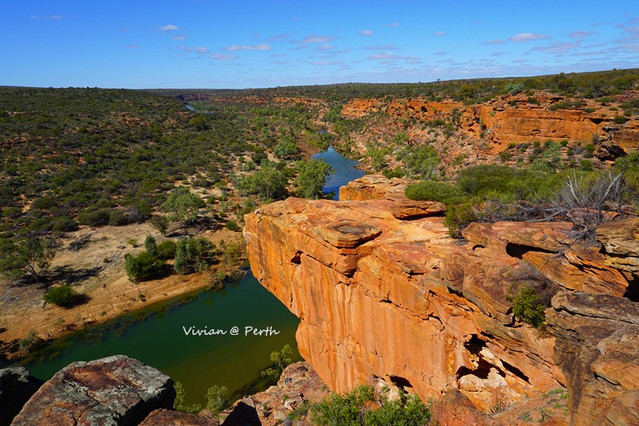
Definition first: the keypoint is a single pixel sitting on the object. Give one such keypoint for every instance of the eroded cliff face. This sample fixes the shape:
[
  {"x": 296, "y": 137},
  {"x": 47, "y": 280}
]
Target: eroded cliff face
[
  {"x": 384, "y": 293},
  {"x": 513, "y": 119}
]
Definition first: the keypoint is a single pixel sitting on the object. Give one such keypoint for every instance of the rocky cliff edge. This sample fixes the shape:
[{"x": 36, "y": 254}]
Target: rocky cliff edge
[{"x": 383, "y": 293}]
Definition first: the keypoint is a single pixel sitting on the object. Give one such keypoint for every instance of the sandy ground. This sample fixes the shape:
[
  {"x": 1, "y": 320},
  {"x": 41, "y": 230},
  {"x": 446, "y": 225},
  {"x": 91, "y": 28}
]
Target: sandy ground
[{"x": 98, "y": 271}]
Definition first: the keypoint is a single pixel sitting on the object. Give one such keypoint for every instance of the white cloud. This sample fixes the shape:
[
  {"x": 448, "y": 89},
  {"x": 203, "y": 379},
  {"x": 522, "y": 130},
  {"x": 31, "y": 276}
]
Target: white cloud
[
  {"x": 196, "y": 49},
  {"x": 521, "y": 37},
  {"x": 326, "y": 46},
  {"x": 316, "y": 39},
  {"x": 579, "y": 34},
  {"x": 393, "y": 25},
  {"x": 47, "y": 18},
  {"x": 221, "y": 57},
  {"x": 439, "y": 34},
  {"x": 326, "y": 63},
  {"x": 169, "y": 27},
  {"x": 380, "y": 47},
  {"x": 494, "y": 42},
  {"x": 557, "y": 48},
  {"x": 132, "y": 46},
  {"x": 278, "y": 37},
  {"x": 389, "y": 56},
  {"x": 178, "y": 37},
  {"x": 237, "y": 47},
  {"x": 366, "y": 33}
]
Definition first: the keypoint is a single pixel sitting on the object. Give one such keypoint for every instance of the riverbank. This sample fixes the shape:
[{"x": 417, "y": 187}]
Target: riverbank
[{"x": 96, "y": 270}]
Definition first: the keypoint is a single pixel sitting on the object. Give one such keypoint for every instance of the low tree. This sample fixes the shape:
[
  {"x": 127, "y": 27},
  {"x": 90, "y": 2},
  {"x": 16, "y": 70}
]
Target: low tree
[
  {"x": 193, "y": 254},
  {"x": 184, "y": 205},
  {"x": 216, "y": 398},
  {"x": 161, "y": 223},
  {"x": 143, "y": 267},
  {"x": 64, "y": 296},
  {"x": 27, "y": 255},
  {"x": 283, "y": 357},
  {"x": 150, "y": 246},
  {"x": 268, "y": 182},
  {"x": 311, "y": 178}
]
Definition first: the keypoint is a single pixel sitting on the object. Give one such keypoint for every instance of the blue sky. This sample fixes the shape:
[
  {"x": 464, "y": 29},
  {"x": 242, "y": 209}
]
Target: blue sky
[{"x": 239, "y": 44}]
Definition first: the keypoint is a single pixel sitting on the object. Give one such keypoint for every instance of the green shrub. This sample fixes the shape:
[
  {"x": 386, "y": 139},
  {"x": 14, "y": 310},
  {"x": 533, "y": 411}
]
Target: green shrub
[
  {"x": 194, "y": 254},
  {"x": 143, "y": 267},
  {"x": 43, "y": 203},
  {"x": 528, "y": 308},
  {"x": 586, "y": 165},
  {"x": 94, "y": 217},
  {"x": 63, "y": 296},
  {"x": 433, "y": 191},
  {"x": 459, "y": 216},
  {"x": 408, "y": 411},
  {"x": 150, "y": 246},
  {"x": 118, "y": 218},
  {"x": 64, "y": 224},
  {"x": 620, "y": 119},
  {"x": 356, "y": 408},
  {"x": 166, "y": 250},
  {"x": 506, "y": 182},
  {"x": 232, "y": 226},
  {"x": 311, "y": 178},
  {"x": 397, "y": 172},
  {"x": 180, "y": 398}
]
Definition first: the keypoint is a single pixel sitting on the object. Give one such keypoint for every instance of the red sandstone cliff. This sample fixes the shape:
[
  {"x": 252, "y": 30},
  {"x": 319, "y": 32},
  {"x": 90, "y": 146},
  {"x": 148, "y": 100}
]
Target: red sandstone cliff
[
  {"x": 384, "y": 293},
  {"x": 513, "y": 119}
]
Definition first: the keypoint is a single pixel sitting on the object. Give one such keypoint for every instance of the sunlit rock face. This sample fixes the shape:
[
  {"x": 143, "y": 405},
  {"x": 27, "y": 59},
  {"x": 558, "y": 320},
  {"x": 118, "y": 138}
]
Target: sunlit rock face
[{"x": 382, "y": 294}]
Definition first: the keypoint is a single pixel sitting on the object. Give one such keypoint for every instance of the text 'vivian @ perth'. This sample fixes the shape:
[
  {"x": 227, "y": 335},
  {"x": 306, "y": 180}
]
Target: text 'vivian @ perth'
[{"x": 233, "y": 331}]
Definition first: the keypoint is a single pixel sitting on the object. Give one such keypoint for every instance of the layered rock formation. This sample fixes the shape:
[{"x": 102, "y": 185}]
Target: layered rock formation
[
  {"x": 513, "y": 119},
  {"x": 383, "y": 292},
  {"x": 116, "y": 390}
]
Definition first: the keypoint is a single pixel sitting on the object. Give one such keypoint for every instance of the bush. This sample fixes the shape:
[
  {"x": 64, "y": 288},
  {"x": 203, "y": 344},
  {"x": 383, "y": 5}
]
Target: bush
[
  {"x": 620, "y": 119},
  {"x": 528, "y": 308},
  {"x": 311, "y": 178},
  {"x": 194, "y": 254},
  {"x": 232, "y": 226},
  {"x": 43, "y": 203},
  {"x": 459, "y": 216},
  {"x": 433, "y": 191},
  {"x": 150, "y": 246},
  {"x": 63, "y": 296},
  {"x": 118, "y": 218},
  {"x": 501, "y": 181},
  {"x": 355, "y": 408},
  {"x": 411, "y": 411},
  {"x": 166, "y": 250},
  {"x": 94, "y": 217},
  {"x": 64, "y": 224},
  {"x": 161, "y": 223},
  {"x": 143, "y": 267}
]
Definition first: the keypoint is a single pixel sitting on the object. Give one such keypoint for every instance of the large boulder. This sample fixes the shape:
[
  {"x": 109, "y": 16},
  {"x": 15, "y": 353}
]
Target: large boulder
[{"x": 116, "y": 390}]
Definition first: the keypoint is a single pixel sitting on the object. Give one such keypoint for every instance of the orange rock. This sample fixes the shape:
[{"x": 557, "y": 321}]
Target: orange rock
[{"x": 381, "y": 297}]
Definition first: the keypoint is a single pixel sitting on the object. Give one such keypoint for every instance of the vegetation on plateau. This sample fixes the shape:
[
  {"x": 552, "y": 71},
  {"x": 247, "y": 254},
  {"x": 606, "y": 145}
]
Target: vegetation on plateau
[{"x": 362, "y": 406}]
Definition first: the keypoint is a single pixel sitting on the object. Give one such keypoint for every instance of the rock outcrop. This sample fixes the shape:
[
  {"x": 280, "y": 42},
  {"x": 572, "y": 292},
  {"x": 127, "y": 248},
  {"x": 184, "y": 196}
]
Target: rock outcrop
[
  {"x": 116, "y": 390},
  {"x": 514, "y": 119},
  {"x": 389, "y": 297},
  {"x": 298, "y": 385},
  {"x": 16, "y": 387}
]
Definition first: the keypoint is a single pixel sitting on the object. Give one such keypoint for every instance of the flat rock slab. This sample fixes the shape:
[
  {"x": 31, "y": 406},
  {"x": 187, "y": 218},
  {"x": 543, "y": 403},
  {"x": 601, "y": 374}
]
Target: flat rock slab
[{"x": 116, "y": 390}]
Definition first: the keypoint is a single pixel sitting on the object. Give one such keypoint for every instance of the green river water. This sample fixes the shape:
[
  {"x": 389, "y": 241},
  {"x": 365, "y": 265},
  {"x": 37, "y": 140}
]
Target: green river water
[
  {"x": 157, "y": 336},
  {"x": 198, "y": 362}
]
